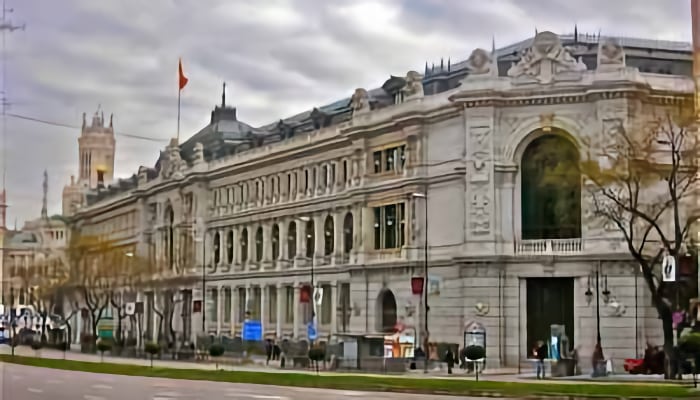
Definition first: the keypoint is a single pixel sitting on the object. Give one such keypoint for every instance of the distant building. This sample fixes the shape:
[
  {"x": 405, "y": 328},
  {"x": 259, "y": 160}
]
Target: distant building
[
  {"x": 96, "y": 147},
  {"x": 348, "y": 195}
]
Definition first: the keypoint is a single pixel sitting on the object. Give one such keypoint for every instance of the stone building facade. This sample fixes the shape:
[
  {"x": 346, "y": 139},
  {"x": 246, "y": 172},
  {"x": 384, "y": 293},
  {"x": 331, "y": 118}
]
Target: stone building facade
[{"x": 348, "y": 196}]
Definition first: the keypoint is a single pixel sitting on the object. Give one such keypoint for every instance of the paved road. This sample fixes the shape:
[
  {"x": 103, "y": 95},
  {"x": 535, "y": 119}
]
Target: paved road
[{"x": 19, "y": 382}]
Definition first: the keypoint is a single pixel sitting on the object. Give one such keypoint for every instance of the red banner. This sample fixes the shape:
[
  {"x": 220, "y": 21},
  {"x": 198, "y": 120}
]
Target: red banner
[
  {"x": 417, "y": 285},
  {"x": 305, "y": 294}
]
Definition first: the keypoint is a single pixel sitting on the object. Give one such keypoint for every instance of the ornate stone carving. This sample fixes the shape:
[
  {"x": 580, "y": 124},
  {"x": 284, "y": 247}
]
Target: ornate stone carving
[
  {"x": 414, "y": 86},
  {"x": 480, "y": 223},
  {"x": 360, "y": 102},
  {"x": 546, "y": 61},
  {"x": 610, "y": 54},
  {"x": 198, "y": 156},
  {"x": 480, "y": 62},
  {"x": 172, "y": 165},
  {"x": 480, "y": 154}
]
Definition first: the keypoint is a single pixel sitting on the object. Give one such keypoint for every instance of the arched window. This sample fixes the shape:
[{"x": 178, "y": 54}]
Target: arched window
[
  {"x": 386, "y": 310},
  {"x": 275, "y": 242},
  {"x": 244, "y": 245},
  {"x": 328, "y": 236},
  {"x": 292, "y": 240},
  {"x": 551, "y": 189},
  {"x": 348, "y": 232},
  {"x": 216, "y": 248},
  {"x": 259, "y": 244},
  {"x": 310, "y": 239},
  {"x": 229, "y": 247}
]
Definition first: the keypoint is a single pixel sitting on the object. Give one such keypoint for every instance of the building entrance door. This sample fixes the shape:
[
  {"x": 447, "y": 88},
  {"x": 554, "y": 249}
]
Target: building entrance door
[{"x": 549, "y": 301}]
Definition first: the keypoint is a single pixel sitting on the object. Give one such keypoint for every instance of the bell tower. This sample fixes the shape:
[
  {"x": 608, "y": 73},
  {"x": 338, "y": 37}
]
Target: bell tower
[{"x": 96, "y": 147}]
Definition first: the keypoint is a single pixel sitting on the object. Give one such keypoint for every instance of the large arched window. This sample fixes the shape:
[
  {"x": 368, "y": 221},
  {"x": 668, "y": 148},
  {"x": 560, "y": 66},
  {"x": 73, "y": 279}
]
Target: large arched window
[
  {"x": 310, "y": 239},
  {"x": 217, "y": 248},
  {"x": 229, "y": 247},
  {"x": 244, "y": 245},
  {"x": 550, "y": 189},
  {"x": 259, "y": 244},
  {"x": 328, "y": 236},
  {"x": 347, "y": 232},
  {"x": 275, "y": 242},
  {"x": 386, "y": 311},
  {"x": 292, "y": 240}
]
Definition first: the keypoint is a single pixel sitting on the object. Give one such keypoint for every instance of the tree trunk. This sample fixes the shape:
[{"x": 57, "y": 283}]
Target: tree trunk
[{"x": 671, "y": 365}]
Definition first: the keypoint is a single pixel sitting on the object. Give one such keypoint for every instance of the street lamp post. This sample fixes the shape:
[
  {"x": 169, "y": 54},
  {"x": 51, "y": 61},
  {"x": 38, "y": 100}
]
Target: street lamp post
[
  {"x": 306, "y": 219},
  {"x": 426, "y": 308}
]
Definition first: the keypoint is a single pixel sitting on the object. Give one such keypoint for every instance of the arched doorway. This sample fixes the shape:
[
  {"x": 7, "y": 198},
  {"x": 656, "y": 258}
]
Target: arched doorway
[
  {"x": 386, "y": 311},
  {"x": 550, "y": 189}
]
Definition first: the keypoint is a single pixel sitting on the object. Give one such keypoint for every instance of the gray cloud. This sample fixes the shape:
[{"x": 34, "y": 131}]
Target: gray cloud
[{"x": 278, "y": 57}]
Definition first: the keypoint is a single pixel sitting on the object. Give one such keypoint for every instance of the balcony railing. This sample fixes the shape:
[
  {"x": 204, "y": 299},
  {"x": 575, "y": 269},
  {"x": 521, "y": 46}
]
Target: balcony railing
[{"x": 549, "y": 247}]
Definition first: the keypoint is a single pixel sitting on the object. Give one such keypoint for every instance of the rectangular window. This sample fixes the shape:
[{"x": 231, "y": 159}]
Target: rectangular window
[
  {"x": 402, "y": 157},
  {"x": 390, "y": 160},
  {"x": 213, "y": 304},
  {"x": 332, "y": 177},
  {"x": 289, "y": 305},
  {"x": 389, "y": 226},
  {"x": 306, "y": 179},
  {"x": 272, "y": 304},
  {"x": 345, "y": 171},
  {"x": 324, "y": 178},
  {"x": 377, "y": 157},
  {"x": 227, "y": 305},
  {"x": 326, "y": 304},
  {"x": 289, "y": 183}
]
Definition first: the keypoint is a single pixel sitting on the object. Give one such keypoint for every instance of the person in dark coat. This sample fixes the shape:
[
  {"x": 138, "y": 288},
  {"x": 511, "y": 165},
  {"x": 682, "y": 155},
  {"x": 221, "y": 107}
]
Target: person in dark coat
[
  {"x": 540, "y": 353},
  {"x": 268, "y": 350},
  {"x": 450, "y": 360}
]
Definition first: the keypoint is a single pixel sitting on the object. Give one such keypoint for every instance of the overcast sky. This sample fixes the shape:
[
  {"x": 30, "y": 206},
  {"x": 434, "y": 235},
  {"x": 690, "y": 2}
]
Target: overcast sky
[{"x": 278, "y": 57}]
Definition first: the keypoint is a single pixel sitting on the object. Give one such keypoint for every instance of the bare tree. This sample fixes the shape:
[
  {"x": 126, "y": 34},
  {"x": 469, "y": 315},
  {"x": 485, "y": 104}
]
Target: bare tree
[{"x": 643, "y": 183}]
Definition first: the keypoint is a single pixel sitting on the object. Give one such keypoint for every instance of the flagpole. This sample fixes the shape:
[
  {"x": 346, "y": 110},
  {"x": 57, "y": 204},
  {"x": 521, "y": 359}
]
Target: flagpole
[{"x": 178, "y": 115}]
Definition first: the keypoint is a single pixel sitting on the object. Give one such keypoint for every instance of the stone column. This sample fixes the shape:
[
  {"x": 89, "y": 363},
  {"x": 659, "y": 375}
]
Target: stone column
[
  {"x": 234, "y": 309},
  {"x": 293, "y": 186},
  {"x": 338, "y": 235},
  {"x": 319, "y": 236},
  {"x": 339, "y": 175},
  {"x": 282, "y": 229},
  {"x": 334, "y": 304},
  {"x": 296, "y": 322},
  {"x": 280, "y": 307},
  {"x": 301, "y": 241},
  {"x": 264, "y": 311},
  {"x": 267, "y": 242},
  {"x": 251, "y": 244}
]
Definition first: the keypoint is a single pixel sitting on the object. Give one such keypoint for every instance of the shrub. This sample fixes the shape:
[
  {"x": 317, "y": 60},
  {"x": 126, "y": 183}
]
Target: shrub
[
  {"x": 36, "y": 345},
  {"x": 151, "y": 348},
  {"x": 216, "y": 350},
  {"x": 317, "y": 354},
  {"x": 690, "y": 344},
  {"x": 104, "y": 345},
  {"x": 474, "y": 352}
]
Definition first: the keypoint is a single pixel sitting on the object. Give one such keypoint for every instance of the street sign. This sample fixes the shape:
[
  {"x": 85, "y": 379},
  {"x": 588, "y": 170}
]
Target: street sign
[
  {"x": 668, "y": 269},
  {"x": 252, "y": 331},
  {"x": 311, "y": 330}
]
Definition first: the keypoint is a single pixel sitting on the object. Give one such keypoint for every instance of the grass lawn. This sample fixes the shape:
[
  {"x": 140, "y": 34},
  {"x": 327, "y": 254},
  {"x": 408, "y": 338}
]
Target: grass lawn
[{"x": 466, "y": 387}]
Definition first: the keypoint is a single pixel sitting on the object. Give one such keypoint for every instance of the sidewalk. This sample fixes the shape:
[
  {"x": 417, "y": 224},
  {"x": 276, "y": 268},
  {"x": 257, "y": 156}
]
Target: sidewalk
[{"x": 497, "y": 375}]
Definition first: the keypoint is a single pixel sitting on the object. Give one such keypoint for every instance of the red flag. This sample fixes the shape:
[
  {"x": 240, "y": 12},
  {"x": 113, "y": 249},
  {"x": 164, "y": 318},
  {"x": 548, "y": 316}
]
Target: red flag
[{"x": 183, "y": 78}]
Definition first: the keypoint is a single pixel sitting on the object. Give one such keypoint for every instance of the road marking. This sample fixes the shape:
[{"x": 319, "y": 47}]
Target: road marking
[
  {"x": 103, "y": 387},
  {"x": 168, "y": 394},
  {"x": 354, "y": 394},
  {"x": 163, "y": 398},
  {"x": 91, "y": 397},
  {"x": 34, "y": 390}
]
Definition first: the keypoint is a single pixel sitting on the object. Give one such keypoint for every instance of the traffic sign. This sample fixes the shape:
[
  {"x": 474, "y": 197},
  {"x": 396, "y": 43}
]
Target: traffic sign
[{"x": 311, "y": 330}]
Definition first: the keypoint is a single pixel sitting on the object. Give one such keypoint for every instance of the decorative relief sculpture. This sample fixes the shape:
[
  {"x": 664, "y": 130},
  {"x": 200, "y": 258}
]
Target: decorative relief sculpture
[
  {"x": 610, "y": 54},
  {"x": 546, "y": 61},
  {"x": 198, "y": 156},
  {"x": 173, "y": 165},
  {"x": 479, "y": 177},
  {"x": 480, "y": 210},
  {"x": 414, "y": 86},
  {"x": 481, "y": 63},
  {"x": 359, "y": 102}
]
